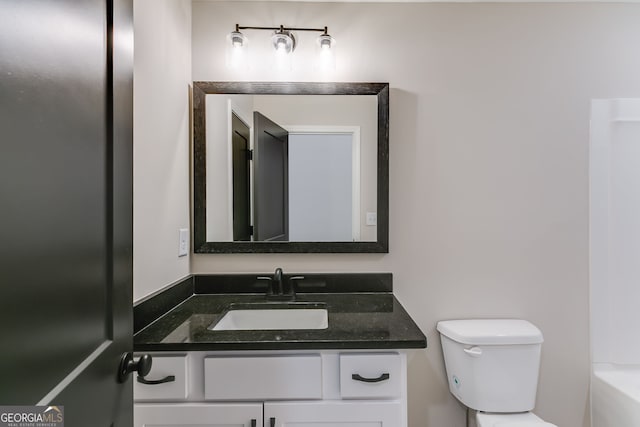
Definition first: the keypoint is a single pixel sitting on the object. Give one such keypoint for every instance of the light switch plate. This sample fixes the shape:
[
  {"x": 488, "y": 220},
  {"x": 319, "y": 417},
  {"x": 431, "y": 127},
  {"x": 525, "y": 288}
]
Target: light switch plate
[{"x": 183, "y": 245}]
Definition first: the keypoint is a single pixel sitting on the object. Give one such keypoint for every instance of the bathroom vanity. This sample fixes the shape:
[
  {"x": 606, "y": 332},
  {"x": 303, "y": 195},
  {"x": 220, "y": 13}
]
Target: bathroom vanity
[
  {"x": 275, "y": 388},
  {"x": 353, "y": 371}
]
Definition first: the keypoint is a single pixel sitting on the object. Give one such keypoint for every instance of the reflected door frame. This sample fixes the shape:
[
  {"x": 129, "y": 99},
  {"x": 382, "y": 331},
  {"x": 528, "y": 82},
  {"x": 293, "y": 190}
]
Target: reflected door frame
[{"x": 245, "y": 117}]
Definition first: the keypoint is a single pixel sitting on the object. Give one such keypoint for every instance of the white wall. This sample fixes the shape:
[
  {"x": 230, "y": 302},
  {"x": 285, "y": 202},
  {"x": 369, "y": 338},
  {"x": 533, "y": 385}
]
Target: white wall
[
  {"x": 488, "y": 160},
  {"x": 219, "y": 172},
  {"x": 615, "y": 231},
  {"x": 219, "y": 158},
  {"x": 162, "y": 76}
]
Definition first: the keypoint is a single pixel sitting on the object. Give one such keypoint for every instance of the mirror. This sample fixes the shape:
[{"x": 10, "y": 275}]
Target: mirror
[{"x": 290, "y": 167}]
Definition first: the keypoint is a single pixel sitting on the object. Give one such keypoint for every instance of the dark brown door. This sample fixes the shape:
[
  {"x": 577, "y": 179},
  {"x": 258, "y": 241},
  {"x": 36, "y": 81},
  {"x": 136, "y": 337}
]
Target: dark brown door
[
  {"x": 271, "y": 182},
  {"x": 241, "y": 178},
  {"x": 66, "y": 207}
]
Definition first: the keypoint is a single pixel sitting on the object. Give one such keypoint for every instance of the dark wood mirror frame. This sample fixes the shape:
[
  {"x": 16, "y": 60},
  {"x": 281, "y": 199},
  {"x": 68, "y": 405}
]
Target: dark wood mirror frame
[{"x": 201, "y": 89}]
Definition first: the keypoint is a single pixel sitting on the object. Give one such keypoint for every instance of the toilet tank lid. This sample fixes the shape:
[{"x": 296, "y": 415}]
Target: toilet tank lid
[{"x": 490, "y": 331}]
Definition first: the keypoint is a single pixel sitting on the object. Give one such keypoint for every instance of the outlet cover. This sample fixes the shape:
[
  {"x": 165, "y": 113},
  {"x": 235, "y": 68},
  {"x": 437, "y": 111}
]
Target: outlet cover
[
  {"x": 183, "y": 245},
  {"x": 372, "y": 218}
]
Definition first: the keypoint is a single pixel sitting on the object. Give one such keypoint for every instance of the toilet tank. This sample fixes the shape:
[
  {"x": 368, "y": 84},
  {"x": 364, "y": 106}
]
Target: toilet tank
[{"x": 492, "y": 364}]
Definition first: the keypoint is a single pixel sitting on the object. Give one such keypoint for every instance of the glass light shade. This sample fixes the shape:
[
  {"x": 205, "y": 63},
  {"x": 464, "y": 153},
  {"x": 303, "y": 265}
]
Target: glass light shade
[
  {"x": 237, "y": 39},
  {"x": 326, "y": 53},
  {"x": 325, "y": 41},
  {"x": 237, "y": 50},
  {"x": 283, "y": 41}
]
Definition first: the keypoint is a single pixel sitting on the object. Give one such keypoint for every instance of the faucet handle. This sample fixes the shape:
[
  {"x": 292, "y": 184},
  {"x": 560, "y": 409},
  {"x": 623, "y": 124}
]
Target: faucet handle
[
  {"x": 269, "y": 285},
  {"x": 292, "y": 288}
]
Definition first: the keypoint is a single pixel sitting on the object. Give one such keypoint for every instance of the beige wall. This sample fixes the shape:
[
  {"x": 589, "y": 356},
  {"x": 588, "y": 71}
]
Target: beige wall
[
  {"x": 162, "y": 75},
  {"x": 489, "y": 144}
]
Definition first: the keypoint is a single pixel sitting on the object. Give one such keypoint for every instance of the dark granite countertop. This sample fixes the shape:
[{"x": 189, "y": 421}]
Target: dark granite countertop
[{"x": 365, "y": 316}]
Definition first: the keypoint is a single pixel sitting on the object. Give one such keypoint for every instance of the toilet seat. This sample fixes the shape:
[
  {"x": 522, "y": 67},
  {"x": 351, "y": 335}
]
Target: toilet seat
[{"x": 524, "y": 419}]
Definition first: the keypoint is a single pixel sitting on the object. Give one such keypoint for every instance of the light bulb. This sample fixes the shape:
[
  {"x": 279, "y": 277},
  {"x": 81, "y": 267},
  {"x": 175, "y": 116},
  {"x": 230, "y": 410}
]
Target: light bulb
[
  {"x": 283, "y": 41},
  {"x": 325, "y": 41},
  {"x": 237, "y": 39}
]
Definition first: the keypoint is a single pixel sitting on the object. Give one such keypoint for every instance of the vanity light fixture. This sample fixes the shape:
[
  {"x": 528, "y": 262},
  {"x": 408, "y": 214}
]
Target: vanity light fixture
[{"x": 283, "y": 39}]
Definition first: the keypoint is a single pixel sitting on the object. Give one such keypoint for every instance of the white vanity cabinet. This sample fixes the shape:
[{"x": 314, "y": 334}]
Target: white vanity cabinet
[
  {"x": 274, "y": 389},
  {"x": 333, "y": 414},
  {"x": 197, "y": 415}
]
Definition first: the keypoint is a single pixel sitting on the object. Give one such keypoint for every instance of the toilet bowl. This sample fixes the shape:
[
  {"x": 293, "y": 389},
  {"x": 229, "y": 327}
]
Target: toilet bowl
[
  {"x": 525, "y": 419},
  {"x": 492, "y": 367}
]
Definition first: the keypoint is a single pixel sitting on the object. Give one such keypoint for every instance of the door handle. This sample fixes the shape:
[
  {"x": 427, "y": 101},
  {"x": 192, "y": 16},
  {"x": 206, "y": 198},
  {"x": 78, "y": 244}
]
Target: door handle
[
  {"x": 272, "y": 422},
  {"x": 382, "y": 377},
  {"x": 254, "y": 422},
  {"x": 128, "y": 365}
]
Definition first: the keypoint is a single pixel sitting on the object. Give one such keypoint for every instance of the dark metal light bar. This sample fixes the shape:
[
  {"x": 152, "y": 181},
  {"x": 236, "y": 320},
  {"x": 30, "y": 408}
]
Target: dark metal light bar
[{"x": 280, "y": 28}]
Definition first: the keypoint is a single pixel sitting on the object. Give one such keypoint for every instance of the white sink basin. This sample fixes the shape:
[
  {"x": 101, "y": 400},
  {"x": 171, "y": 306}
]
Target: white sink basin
[{"x": 273, "y": 318}]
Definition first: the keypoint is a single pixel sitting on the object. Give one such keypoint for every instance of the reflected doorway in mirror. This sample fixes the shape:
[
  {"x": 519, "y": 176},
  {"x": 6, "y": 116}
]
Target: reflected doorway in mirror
[{"x": 324, "y": 190}]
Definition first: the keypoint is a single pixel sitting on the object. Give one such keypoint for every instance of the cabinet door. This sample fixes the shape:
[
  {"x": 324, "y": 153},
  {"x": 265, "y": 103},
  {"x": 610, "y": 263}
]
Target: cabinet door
[
  {"x": 197, "y": 414},
  {"x": 335, "y": 414}
]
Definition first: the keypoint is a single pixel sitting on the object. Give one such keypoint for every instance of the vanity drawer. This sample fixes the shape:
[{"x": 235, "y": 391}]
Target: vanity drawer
[
  {"x": 263, "y": 377},
  {"x": 370, "y": 375},
  {"x": 161, "y": 368}
]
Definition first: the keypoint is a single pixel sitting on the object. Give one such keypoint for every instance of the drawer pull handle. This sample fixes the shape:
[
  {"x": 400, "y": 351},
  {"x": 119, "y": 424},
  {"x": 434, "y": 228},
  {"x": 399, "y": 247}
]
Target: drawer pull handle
[
  {"x": 254, "y": 422},
  {"x": 272, "y": 422},
  {"x": 382, "y": 377},
  {"x": 167, "y": 379}
]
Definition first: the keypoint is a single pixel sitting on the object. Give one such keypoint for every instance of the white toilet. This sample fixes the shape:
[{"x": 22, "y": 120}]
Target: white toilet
[{"x": 492, "y": 366}]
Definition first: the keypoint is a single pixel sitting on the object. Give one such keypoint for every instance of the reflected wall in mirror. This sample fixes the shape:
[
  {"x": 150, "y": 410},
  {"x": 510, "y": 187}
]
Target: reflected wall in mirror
[{"x": 290, "y": 167}]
